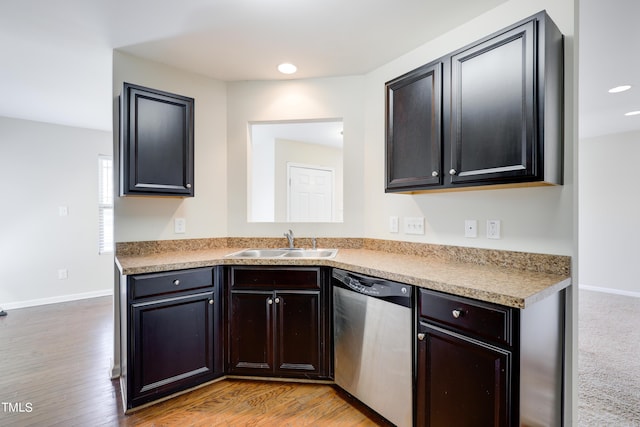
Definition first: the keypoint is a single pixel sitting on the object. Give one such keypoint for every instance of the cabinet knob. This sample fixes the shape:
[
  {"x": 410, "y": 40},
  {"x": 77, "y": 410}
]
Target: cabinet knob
[
  {"x": 188, "y": 185},
  {"x": 210, "y": 302},
  {"x": 270, "y": 301},
  {"x": 176, "y": 282},
  {"x": 434, "y": 174},
  {"x": 452, "y": 172},
  {"x": 421, "y": 336},
  {"x": 277, "y": 300},
  {"x": 456, "y": 313}
]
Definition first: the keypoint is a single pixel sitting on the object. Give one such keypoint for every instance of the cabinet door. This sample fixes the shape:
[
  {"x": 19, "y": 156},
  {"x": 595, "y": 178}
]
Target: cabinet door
[
  {"x": 461, "y": 381},
  {"x": 156, "y": 143},
  {"x": 493, "y": 110},
  {"x": 173, "y": 348},
  {"x": 299, "y": 345},
  {"x": 414, "y": 134},
  {"x": 250, "y": 332}
]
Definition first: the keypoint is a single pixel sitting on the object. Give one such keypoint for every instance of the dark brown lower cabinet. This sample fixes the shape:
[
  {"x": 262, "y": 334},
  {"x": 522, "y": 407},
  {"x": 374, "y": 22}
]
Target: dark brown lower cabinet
[
  {"x": 278, "y": 322},
  {"x": 464, "y": 382},
  {"x": 482, "y": 364},
  {"x": 171, "y": 333}
]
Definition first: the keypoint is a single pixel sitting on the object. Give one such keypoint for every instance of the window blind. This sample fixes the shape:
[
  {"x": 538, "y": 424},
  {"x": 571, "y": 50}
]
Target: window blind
[{"x": 105, "y": 204}]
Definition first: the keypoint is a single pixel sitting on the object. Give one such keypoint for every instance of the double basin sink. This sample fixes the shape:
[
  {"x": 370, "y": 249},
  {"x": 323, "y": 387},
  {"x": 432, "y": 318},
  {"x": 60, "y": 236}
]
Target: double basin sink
[{"x": 284, "y": 253}]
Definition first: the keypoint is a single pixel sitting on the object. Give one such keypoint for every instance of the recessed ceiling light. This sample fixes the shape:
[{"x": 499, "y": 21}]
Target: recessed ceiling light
[
  {"x": 619, "y": 89},
  {"x": 632, "y": 113},
  {"x": 287, "y": 68}
]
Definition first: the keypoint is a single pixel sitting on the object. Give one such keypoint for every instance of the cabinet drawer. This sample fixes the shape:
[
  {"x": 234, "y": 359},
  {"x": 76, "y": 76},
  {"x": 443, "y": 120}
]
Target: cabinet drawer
[
  {"x": 146, "y": 285},
  {"x": 280, "y": 278},
  {"x": 484, "y": 320}
]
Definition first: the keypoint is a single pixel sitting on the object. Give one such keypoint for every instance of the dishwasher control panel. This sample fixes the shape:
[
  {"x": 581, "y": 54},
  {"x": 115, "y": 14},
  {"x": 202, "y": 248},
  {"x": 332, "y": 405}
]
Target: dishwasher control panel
[{"x": 399, "y": 293}]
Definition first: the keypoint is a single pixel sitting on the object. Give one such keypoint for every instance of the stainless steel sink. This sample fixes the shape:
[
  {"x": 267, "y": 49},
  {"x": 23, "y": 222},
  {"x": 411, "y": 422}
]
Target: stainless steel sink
[
  {"x": 284, "y": 253},
  {"x": 258, "y": 253},
  {"x": 311, "y": 253}
]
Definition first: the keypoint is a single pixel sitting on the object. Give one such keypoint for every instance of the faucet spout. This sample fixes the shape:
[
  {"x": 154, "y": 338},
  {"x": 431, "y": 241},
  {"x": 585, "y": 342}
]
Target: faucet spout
[{"x": 289, "y": 237}]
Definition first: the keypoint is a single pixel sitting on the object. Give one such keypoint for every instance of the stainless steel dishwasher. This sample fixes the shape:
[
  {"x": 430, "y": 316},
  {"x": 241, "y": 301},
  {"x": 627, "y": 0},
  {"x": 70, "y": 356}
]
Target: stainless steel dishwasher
[{"x": 372, "y": 326}]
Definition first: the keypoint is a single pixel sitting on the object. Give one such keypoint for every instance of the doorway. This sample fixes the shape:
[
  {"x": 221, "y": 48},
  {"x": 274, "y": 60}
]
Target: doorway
[{"x": 310, "y": 193}]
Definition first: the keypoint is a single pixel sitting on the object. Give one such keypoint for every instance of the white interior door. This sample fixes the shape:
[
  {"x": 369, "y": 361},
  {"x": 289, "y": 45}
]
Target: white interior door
[{"x": 310, "y": 193}]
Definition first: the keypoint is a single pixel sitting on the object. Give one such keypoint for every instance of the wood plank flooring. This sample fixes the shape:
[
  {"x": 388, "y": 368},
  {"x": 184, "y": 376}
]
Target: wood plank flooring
[{"x": 54, "y": 371}]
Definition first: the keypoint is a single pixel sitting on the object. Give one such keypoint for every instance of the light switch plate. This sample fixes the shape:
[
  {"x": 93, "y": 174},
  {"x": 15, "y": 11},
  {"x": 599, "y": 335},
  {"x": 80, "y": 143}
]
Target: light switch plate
[
  {"x": 493, "y": 229},
  {"x": 414, "y": 225}
]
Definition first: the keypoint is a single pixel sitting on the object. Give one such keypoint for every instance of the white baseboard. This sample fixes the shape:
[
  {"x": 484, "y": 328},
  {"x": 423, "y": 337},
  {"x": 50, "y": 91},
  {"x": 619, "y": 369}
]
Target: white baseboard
[
  {"x": 56, "y": 299},
  {"x": 610, "y": 291}
]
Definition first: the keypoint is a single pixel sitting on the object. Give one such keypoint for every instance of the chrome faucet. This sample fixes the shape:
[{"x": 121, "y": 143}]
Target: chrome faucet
[{"x": 289, "y": 237}]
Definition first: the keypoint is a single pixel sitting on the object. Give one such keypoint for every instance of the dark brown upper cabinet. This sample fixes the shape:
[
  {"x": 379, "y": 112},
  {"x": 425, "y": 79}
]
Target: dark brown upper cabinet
[
  {"x": 414, "y": 129},
  {"x": 156, "y": 143},
  {"x": 502, "y": 115}
]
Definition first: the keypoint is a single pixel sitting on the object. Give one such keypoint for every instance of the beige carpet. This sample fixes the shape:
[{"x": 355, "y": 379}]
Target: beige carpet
[{"x": 609, "y": 360}]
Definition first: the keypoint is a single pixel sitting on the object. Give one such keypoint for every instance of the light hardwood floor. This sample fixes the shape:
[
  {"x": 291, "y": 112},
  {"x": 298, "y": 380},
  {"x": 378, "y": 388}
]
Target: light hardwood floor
[{"x": 54, "y": 371}]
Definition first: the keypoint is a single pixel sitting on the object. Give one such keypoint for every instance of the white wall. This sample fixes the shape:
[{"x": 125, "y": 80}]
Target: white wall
[
  {"x": 533, "y": 219},
  {"x": 44, "y": 166},
  {"x": 610, "y": 213},
  {"x": 151, "y": 218},
  {"x": 340, "y": 97}
]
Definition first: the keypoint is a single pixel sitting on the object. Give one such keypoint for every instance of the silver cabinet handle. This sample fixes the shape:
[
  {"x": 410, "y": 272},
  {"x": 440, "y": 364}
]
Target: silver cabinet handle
[
  {"x": 452, "y": 172},
  {"x": 188, "y": 185},
  {"x": 434, "y": 174},
  {"x": 176, "y": 282},
  {"x": 421, "y": 336},
  {"x": 210, "y": 302},
  {"x": 456, "y": 313},
  {"x": 270, "y": 301},
  {"x": 277, "y": 300}
]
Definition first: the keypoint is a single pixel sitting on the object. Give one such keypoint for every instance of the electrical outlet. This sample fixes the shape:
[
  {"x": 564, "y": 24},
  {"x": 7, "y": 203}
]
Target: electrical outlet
[
  {"x": 471, "y": 228},
  {"x": 180, "y": 225},
  {"x": 394, "y": 224},
  {"x": 493, "y": 229},
  {"x": 414, "y": 225}
]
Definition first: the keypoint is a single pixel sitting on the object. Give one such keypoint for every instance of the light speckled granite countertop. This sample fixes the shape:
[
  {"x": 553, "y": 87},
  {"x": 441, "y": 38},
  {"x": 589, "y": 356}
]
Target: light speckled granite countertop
[{"x": 512, "y": 279}]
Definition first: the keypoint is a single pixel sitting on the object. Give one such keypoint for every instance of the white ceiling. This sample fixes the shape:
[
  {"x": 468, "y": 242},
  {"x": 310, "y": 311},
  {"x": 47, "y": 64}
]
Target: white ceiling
[
  {"x": 56, "y": 55},
  {"x": 609, "y": 57}
]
